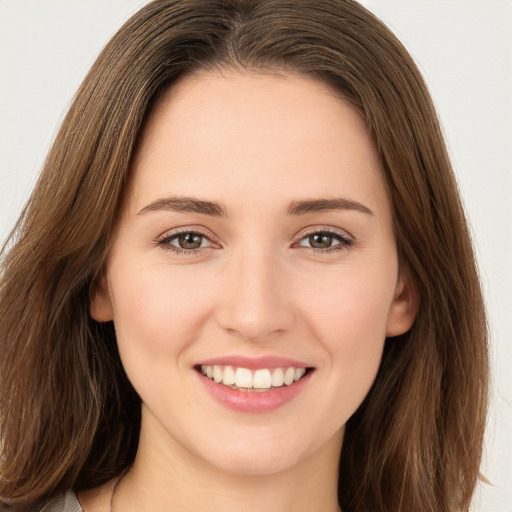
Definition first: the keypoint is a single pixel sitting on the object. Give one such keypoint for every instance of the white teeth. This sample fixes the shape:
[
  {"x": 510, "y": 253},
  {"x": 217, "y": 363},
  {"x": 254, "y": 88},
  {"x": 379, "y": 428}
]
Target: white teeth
[
  {"x": 257, "y": 380},
  {"x": 262, "y": 379},
  {"x": 218, "y": 374},
  {"x": 289, "y": 375},
  {"x": 299, "y": 372},
  {"x": 243, "y": 378},
  {"x": 229, "y": 376},
  {"x": 278, "y": 378}
]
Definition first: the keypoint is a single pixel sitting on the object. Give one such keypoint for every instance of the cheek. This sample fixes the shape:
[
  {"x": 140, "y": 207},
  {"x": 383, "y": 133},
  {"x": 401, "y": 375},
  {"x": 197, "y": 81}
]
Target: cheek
[
  {"x": 349, "y": 318},
  {"x": 157, "y": 312},
  {"x": 352, "y": 309}
]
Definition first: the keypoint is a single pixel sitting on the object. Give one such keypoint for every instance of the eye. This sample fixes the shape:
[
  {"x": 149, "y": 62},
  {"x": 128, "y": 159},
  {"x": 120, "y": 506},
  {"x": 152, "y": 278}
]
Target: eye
[
  {"x": 191, "y": 242},
  {"x": 325, "y": 241},
  {"x": 185, "y": 242}
]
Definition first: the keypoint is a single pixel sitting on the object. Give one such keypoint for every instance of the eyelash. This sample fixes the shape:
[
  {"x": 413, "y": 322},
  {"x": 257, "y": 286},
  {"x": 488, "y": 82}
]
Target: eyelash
[{"x": 344, "y": 241}]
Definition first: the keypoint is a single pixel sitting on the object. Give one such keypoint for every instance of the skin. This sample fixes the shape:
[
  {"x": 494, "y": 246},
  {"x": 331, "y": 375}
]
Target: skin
[{"x": 253, "y": 143}]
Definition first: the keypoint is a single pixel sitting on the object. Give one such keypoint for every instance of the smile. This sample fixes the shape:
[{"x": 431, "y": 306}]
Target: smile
[
  {"x": 253, "y": 385},
  {"x": 244, "y": 379}
]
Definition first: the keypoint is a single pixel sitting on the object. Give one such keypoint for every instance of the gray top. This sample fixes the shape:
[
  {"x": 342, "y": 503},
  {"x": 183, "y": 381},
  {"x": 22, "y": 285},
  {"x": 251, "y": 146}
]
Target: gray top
[{"x": 64, "y": 503}]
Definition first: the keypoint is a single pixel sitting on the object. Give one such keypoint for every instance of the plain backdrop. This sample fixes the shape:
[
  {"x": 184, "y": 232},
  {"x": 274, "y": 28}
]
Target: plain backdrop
[{"x": 464, "y": 49}]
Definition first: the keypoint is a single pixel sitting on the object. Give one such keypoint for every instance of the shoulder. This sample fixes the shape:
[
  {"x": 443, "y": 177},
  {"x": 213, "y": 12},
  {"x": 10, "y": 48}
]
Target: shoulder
[
  {"x": 63, "y": 503},
  {"x": 93, "y": 500}
]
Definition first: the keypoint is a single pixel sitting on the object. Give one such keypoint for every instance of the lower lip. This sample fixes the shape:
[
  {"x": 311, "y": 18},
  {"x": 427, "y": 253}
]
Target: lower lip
[{"x": 254, "y": 401}]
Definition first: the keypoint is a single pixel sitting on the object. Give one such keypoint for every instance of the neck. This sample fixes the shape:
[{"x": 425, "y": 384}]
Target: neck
[{"x": 170, "y": 477}]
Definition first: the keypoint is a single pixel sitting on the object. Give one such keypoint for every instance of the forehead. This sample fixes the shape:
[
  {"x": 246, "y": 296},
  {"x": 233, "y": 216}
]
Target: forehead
[{"x": 223, "y": 135}]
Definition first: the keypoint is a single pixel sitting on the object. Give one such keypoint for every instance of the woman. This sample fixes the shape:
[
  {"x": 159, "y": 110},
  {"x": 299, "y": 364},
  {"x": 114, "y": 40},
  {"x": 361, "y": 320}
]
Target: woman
[{"x": 244, "y": 278}]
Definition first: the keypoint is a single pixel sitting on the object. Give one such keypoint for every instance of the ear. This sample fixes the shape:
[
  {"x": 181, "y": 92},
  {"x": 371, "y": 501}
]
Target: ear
[
  {"x": 404, "y": 306},
  {"x": 101, "y": 306}
]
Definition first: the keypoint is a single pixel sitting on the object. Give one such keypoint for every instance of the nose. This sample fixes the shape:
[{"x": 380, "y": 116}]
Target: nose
[{"x": 256, "y": 302}]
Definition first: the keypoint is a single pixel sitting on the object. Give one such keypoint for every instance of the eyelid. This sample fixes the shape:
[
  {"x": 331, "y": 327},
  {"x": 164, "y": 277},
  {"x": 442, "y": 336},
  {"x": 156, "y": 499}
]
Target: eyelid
[
  {"x": 192, "y": 228},
  {"x": 345, "y": 239},
  {"x": 313, "y": 230}
]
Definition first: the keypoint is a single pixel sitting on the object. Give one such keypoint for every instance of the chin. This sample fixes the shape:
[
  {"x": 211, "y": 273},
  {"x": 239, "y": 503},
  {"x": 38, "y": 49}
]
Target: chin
[
  {"x": 258, "y": 455},
  {"x": 256, "y": 465}
]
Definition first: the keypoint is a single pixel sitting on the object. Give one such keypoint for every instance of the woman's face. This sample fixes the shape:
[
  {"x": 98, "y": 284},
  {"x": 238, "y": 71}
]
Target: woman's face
[{"x": 256, "y": 237}]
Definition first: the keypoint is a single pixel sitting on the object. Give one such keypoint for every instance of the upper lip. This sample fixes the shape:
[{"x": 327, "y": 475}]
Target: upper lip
[{"x": 254, "y": 363}]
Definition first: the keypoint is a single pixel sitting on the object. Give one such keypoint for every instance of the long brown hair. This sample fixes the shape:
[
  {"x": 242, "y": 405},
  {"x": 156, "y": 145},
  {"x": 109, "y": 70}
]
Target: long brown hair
[{"x": 70, "y": 418}]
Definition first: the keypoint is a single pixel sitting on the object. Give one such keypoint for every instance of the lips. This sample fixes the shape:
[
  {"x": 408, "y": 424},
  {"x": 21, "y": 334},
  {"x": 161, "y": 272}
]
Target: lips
[{"x": 253, "y": 385}]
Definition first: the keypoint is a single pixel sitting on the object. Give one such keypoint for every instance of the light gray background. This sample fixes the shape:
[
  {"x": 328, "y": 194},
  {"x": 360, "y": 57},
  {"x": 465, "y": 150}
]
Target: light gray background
[{"x": 464, "y": 49}]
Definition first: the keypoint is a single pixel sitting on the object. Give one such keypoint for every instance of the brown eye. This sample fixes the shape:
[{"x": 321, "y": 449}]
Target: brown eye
[
  {"x": 186, "y": 241},
  {"x": 189, "y": 240},
  {"x": 326, "y": 241},
  {"x": 320, "y": 241}
]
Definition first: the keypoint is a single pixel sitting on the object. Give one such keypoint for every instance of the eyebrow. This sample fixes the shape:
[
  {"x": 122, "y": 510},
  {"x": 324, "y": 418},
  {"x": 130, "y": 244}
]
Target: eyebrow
[
  {"x": 185, "y": 204},
  {"x": 325, "y": 205},
  {"x": 193, "y": 205}
]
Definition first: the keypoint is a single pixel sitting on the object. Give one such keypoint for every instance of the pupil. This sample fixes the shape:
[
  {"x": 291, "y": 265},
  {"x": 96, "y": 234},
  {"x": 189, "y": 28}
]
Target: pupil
[
  {"x": 190, "y": 241},
  {"x": 320, "y": 241}
]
